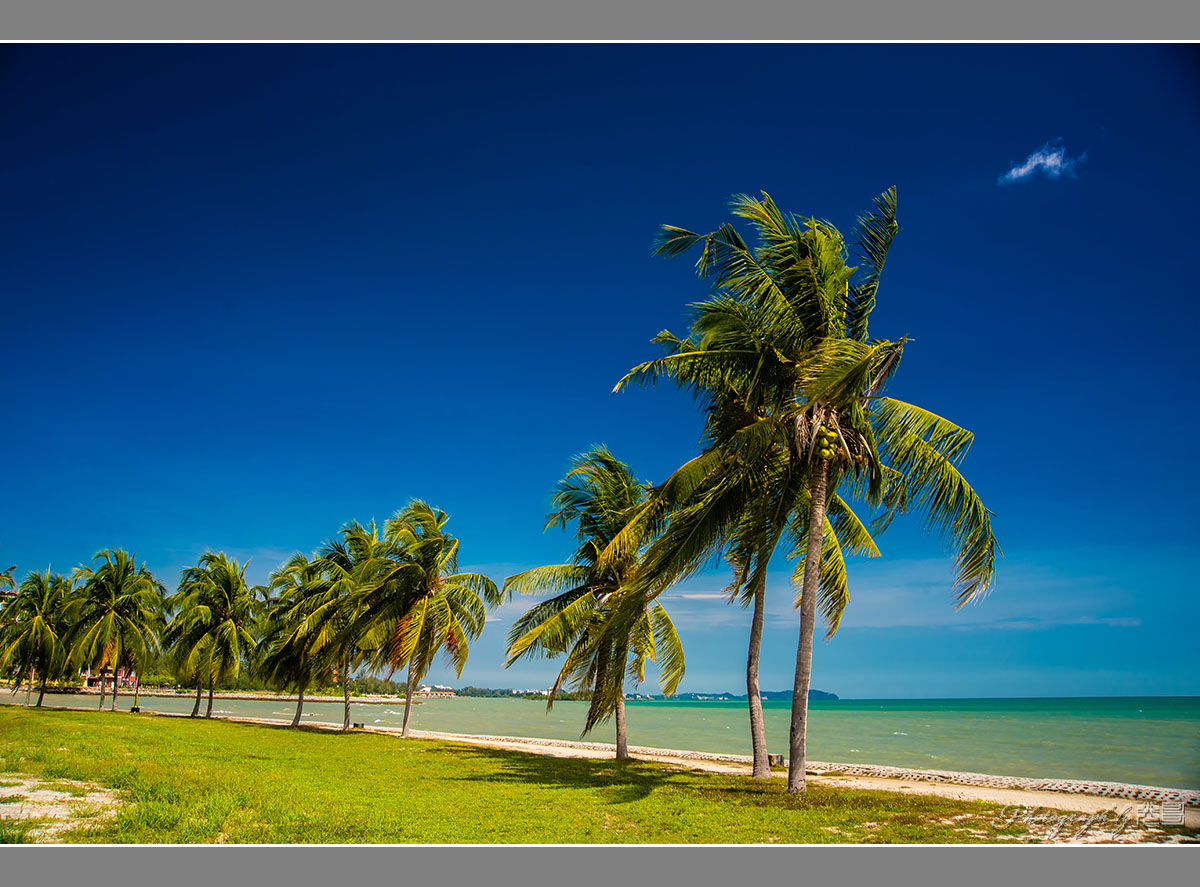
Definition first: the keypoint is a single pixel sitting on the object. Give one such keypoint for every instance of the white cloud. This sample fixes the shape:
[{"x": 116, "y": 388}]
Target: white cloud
[{"x": 1051, "y": 159}]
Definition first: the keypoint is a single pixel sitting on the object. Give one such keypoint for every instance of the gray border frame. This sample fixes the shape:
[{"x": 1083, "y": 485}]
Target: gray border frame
[
  {"x": 592, "y": 866},
  {"x": 369, "y": 20},
  {"x": 523, "y": 20}
]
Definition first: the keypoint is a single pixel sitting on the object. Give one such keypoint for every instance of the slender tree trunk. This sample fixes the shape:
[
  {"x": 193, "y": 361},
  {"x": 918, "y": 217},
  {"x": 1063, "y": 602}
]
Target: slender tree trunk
[
  {"x": 137, "y": 688},
  {"x": 41, "y": 692},
  {"x": 299, "y": 708},
  {"x": 28, "y": 688},
  {"x": 346, "y": 690},
  {"x": 622, "y": 741},
  {"x": 758, "y": 729},
  {"x": 408, "y": 692},
  {"x": 212, "y": 682},
  {"x": 808, "y": 614},
  {"x": 101, "y": 705},
  {"x": 199, "y": 694},
  {"x": 116, "y": 686}
]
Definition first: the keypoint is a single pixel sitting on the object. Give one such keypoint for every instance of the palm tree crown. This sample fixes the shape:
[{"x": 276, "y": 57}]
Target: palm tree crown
[
  {"x": 601, "y": 496},
  {"x": 31, "y": 628},
  {"x": 117, "y": 616},
  {"x": 215, "y": 621},
  {"x": 442, "y": 609}
]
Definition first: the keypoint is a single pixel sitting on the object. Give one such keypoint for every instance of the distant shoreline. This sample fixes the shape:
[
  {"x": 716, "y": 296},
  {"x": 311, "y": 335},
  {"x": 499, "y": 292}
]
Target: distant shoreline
[{"x": 250, "y": 695}]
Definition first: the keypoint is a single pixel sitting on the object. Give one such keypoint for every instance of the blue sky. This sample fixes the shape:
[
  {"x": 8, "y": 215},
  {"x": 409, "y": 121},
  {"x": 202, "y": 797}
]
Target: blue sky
[{"x": 250, "y": 293}]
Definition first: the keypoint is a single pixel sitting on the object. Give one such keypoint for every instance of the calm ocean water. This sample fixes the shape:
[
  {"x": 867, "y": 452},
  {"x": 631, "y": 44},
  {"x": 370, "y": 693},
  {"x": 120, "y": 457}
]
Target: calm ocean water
[{"x": 1153, "y": 740}]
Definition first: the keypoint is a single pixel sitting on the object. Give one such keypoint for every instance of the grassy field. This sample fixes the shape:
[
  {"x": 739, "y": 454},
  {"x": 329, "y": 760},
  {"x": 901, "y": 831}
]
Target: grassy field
[{"x": 185, "y": 781}]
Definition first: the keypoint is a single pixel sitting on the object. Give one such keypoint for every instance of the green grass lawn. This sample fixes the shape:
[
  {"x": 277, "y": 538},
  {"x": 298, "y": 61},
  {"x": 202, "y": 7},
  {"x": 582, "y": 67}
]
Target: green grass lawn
[{"x": 192, "y": 781}]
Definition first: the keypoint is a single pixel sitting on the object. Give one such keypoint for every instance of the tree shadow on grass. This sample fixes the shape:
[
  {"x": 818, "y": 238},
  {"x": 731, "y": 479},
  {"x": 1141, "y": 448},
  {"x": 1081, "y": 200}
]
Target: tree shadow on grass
[{"x": 621, "y": 781}]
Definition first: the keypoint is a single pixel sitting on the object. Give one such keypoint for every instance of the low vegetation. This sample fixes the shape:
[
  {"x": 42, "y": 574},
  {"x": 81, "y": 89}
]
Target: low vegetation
[{"x": 188, "y": 781}]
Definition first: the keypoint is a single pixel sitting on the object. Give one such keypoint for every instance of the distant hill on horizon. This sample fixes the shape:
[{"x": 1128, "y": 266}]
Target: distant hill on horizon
[{"x": 817, "y": 695}]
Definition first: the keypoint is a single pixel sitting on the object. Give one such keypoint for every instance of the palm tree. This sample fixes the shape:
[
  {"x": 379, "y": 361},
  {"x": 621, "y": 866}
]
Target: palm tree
[
  {"x": 787, "y": 333},
  {"x": 711, "y": 507},
  {"x": 116, "y": 617},
  {"x": 436, "y": 607},
  {"x": 293, "y": 659},
  {"x": 216, "y": 613},
  {"x": 31, "y": 629},
  {"x": 601, "y": 495},
  {"x": 361, "y": 575}
]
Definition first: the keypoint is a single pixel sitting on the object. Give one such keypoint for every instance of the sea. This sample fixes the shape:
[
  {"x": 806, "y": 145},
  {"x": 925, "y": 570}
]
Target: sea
[{"x": 1148, "y": 741}]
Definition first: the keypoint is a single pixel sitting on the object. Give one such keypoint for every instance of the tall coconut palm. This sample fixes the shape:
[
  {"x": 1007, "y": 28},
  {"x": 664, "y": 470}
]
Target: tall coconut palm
[
  {"x": 215, "y": 618},
  {"x": 600, "y": 494},
  {"x": 116, "y": 617},
  {"x": 31, "y": 629},
  {"x": 440, "y": 608},
  {"x": 788, "y": 329}
]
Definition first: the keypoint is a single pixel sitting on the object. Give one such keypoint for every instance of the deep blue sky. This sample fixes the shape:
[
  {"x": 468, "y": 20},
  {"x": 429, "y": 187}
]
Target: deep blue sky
[{"x": 250, "y": 293}]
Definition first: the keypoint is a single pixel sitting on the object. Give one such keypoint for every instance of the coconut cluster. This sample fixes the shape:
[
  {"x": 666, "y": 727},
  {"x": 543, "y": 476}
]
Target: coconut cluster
[
  {"x": 829, "y": 445},
  {"x": 833, "y": 447}
]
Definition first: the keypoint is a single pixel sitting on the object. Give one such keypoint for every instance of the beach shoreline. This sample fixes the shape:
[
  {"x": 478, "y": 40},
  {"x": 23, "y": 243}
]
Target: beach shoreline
[
  {"x": 1084, "y": 795},
  {"x": 1075, "y": 796},
  {"x": 1072, "y": 811}
]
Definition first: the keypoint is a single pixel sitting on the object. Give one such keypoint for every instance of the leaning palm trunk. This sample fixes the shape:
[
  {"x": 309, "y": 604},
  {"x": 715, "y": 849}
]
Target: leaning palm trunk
[
  {"x": 137, "y": 688},
  {"x": 758, "y": 730},
  {"x": 212, "y": 683},
  {"x": 101, "y": 705},
  {"x": 808, "y": 614},
  {"x": 299, "y": 709},
  {"x": 41, "y": 692},
  {"x": 29, "y": 689},
  {"x": 346, "y": 692},
  {"x": 116, "y": 685},
  {"x": 622, "y": 741},
  {"x": 408, "y": 693},
  {"x": 199, "y": 695}
]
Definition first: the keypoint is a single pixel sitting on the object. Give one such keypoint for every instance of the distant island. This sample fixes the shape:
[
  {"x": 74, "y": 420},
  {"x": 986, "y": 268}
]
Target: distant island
[
  {"x": 818, "y": 695},
  {"x": 813, "y": 695}
]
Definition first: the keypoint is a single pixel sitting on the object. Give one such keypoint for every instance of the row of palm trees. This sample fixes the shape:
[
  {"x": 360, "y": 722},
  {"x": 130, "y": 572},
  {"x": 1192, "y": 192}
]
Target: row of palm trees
[
  {"x": 383, "y": 598},
  {"x": 797, "y": 434}
]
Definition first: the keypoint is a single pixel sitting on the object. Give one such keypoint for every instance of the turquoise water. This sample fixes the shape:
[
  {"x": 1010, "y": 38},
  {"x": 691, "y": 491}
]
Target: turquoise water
[{"x": 1153, "y": 741}]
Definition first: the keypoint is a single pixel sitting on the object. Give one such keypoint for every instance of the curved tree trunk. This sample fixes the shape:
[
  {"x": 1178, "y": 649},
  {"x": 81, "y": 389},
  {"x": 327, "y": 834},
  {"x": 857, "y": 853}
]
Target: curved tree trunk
[
  {"x": 41, "y": 692},
  {"x": 346, "y": 691},
  {"x": 28, "y": 688},
  {"x": 408, "y": 692},
  {"x": 116, "y": 686},
  {"x": 758, "y": 730},
  {"x": 101, "y": 705},
  {"x": 212, "y": 682},
  {"x": 137, "y": 688},
  {"x": 299, "y": 709},
  {"x": 622, "y": 741},
  {"x": 199, "y": 694},
  {"x": 808, "y": 614}
]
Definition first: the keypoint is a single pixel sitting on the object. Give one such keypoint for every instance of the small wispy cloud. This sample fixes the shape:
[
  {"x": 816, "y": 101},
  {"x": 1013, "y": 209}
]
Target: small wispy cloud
[
  {"x": 1051, "y": 160},
  {"x": 1041, "y": 624},
  {"x": 697, "y": 596}
]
